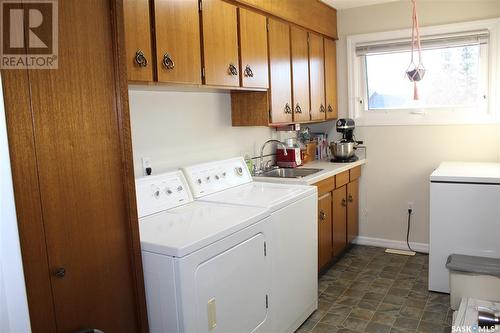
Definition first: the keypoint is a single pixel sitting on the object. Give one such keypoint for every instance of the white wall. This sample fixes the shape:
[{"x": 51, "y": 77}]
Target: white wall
[
  {"x": 14, "y": 315},
  {"x": 175, "y": 128},
  {"x": 400, "y": 158}
]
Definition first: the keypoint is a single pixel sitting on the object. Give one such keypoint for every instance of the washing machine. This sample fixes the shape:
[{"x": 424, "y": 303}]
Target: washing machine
[
  {"x": 206, "y": 265},
  {"x": 293, "y": 241}
]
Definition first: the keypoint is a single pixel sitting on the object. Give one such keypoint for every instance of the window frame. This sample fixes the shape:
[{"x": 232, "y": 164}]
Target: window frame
[{"x": 357, "y": 84}]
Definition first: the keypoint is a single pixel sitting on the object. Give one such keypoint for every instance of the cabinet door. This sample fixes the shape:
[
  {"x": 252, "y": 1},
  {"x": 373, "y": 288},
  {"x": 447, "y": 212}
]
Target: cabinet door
[
  {"x": 300, "y": 74},
  {"x": 324, "y": 229},
  {"x": 331, "y": 79},
  {"x": 178, "y": 41},
  {"x": 280, "y": 72},
  {"x": 220, "y": 43},
  {"x": 253, "y": 49},
  {"x": 317, "y": 76},
  {"x": 339, "y": 220},
  {"x": 352, "y": 210},
  {"x": 138, "y": 40}
]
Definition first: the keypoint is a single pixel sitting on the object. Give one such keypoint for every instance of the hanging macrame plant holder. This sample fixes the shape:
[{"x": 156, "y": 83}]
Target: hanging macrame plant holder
[{"x": 416, "y": 70}]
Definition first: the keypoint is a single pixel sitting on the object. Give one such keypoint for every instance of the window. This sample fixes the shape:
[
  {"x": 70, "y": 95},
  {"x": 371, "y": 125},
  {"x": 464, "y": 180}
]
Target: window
[{"x": 458, "y": 86}]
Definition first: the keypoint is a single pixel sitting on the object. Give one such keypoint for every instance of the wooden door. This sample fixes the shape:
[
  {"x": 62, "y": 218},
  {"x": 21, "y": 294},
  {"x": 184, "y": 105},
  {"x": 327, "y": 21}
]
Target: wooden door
[
  {"x": 220, "y": 43},
  {"x": 331, "y": 79},
  {"x": 253, "y": 49},
  {"x": 280, "y": 72},
  {"x": 76, "y": 214},
  {"x": 339, "y": 229},
  {"x": 178, "y": 54},
  {"x": 352, "y": 210},
  {"x": 317, "y": 76},
  {"x": 324, "y": 229},
  {"x": 300, "y": 74},
  {"x": 138, "y": 40}
]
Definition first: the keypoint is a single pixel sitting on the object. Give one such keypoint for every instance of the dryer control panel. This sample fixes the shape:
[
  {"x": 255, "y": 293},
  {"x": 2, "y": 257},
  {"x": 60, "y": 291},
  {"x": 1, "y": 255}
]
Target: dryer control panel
[
  {"x": 212, "y": 177},
  {"x": 161, "y": 192}
]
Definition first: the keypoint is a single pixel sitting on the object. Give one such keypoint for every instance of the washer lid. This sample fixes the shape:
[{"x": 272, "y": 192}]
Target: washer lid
[
  {"x": 467, "y": 172},
  {"x": 183, "y": 230},
  {"x": 260, "y": 194}
]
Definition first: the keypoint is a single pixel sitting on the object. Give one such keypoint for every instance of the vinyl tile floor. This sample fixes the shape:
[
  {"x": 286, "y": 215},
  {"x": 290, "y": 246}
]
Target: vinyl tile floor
[{"x": 369, "y": 290}]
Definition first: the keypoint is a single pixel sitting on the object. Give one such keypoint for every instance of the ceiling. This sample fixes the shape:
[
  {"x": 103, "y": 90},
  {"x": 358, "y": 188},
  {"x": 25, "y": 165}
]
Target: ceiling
[{"x": 344, "y": 4}]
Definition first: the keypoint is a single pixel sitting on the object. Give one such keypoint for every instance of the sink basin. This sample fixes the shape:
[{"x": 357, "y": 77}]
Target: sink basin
[{"x": 289, "y": 173}]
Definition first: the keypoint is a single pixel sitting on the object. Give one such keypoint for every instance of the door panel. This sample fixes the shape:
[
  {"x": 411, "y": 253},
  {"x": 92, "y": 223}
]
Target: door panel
[
  {"x": 331, "y": 79},
  {"x": 138, "y": 40},
  {"x": 253, "y": 49},
  {"x": 178, "y": 51},
  {"x": 231, "y": 288},
  {"x": 280, "y": 72},
  {"x": 81, "y": 173},
  {"x": 324, "y": 230},
  {"x": 339, "y": 220},
  {"x": 317, "y": 76},
  {"x": 220, "y": 43},
  {"x": 300, "y": 74},
  {"x": 352, "y": 210}
]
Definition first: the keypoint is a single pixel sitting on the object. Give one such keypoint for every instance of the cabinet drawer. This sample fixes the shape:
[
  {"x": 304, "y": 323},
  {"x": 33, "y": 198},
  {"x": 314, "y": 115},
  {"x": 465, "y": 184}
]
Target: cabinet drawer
[
  {"x": 355, "y": 173},
  {"x": 341, "y": 179},
  {"x": 325, "y": 186}
]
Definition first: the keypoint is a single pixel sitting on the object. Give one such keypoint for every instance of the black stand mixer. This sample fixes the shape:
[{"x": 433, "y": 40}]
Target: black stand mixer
[{"x": 343, "y": 150}]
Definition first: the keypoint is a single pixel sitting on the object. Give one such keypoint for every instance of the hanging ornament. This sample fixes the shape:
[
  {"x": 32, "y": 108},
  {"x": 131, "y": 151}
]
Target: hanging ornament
[{"x": 416, "y": 70}]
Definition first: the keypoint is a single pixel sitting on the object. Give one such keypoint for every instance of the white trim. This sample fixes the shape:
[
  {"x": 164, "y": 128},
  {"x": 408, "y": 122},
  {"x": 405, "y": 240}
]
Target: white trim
[
  {"x": 426, "y": 116},
  {"x": 393, "y": 244}
]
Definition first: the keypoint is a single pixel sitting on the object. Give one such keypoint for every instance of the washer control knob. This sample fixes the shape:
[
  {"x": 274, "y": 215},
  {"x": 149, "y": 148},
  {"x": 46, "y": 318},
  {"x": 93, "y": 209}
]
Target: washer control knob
[
  {"x": 239, "y": 171},
  {"x": 217, "y": 177},
  {"x": 199, "y": 181},
  {"x": 208, "y": 178},
  {"x": 179, "y": 188},
  {"x": 224, "y": 174},
  {"x": 168, "y": 191},
  {"x": 156, "y": 193}
]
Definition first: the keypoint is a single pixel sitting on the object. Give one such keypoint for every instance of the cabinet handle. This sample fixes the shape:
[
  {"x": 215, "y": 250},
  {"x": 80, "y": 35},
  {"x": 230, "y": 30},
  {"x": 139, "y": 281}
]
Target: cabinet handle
[
  {"x": 60, "y": 272},
  {"x": 288, "y": 109},
  {"x": 330, "y": 109},
  {"x": 140, "y": 59},
  {"x": 248, "y": 71},
  {"x": 344, "y": 202},
  {"x": 298, "y": 109},
  {"x": 167, "y": 61},
  {"x": 322, "y": 108},
  {"x": 233, "y": 70},
  {"x": 322, "y": 215},
  {"x": 350, "y": 198}
]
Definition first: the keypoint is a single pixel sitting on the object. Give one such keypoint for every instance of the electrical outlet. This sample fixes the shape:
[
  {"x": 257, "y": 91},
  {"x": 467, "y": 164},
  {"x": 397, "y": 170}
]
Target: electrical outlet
[
  {"x": 146, "y": 165},
  {"x": 411, "y": 205}
]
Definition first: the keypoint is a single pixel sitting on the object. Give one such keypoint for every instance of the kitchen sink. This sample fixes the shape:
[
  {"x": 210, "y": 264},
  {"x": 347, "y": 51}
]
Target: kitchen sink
[{"x": 289, "y": 173}]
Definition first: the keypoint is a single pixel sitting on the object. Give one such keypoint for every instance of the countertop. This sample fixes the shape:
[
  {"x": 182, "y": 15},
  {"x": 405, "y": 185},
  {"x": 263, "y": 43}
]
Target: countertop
[
  {"x": 329, "y": 169},
  {"x": 467, "y": 172}
]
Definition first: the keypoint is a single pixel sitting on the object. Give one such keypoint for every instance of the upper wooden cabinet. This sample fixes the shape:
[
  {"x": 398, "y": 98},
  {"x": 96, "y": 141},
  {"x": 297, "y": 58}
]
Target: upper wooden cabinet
[
  {"x": 178, "y": 55},
  {"x": 138, "y": 40},
  {"x": 331, "y": 79},
  {"x": 279, "y": 72},
  {"x": 317, "y": 76},
  {"x": 253, "y": 49},
  {"x": 300, "y": 74},
  {"x": 220, "y": 43}
]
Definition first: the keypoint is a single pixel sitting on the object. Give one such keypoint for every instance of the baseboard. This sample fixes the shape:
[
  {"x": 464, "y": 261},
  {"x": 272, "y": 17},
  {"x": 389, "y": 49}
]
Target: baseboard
[{"x": 393, "y": 244}]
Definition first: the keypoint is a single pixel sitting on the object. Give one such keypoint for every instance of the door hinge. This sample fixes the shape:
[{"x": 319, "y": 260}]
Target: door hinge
[
  {"x": 267, "y": 302},
  {"x": 200, "y": 6},
  {"x": 265, "y": 249}
]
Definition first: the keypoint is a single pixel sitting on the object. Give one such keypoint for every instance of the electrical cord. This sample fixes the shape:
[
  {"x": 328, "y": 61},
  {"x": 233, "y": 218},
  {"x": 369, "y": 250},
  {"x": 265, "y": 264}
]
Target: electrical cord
[{"x": 410, "y": 211}]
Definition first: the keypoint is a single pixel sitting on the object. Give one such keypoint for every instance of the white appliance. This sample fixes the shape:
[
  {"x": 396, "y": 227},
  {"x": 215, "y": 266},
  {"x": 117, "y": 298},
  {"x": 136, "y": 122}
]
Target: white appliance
[
  {"x": 464, "y": 215},
  {"x": 206, "y": 267},
  {"x": 293, "y": 245}
]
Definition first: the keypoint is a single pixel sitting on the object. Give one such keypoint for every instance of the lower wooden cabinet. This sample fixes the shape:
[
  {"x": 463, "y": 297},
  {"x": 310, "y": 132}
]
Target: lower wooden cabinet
[
  {"x": 339, "y": 230},
  {"x": 338, "y": 215},
  {"x": 324, "y": 229}
]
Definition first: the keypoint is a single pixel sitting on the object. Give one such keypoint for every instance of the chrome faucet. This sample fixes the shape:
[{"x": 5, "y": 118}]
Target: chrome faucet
[{"x": 262, "y": 167}]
